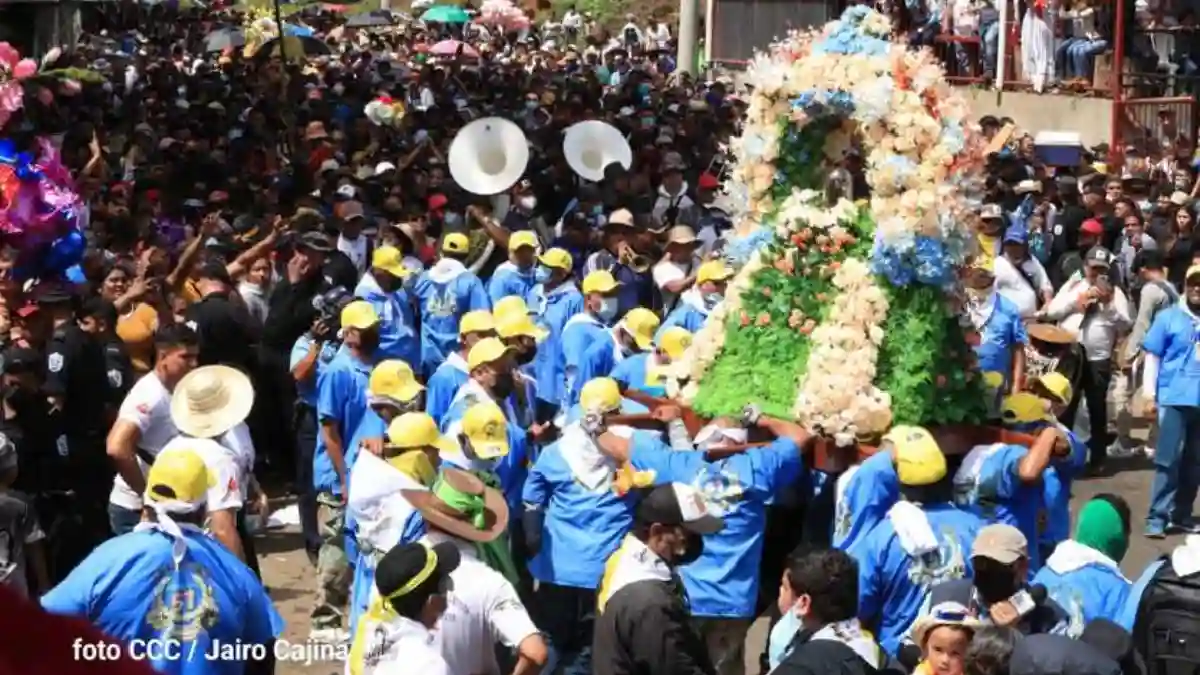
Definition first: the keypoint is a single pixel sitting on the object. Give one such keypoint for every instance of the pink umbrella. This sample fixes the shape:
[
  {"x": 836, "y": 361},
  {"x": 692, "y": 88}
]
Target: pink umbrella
[{"x": 451, "y": 47}]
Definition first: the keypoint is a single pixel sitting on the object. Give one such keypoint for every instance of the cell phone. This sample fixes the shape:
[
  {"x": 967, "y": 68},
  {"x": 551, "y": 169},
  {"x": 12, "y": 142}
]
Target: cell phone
[{"x": 1023, "y": 602}]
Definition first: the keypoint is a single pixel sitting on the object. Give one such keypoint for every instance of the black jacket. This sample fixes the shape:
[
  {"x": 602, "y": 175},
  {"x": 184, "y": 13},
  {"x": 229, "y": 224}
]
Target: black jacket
[
  {"x": 644, "y": 630},
  {"x": 822, "y": 657}
]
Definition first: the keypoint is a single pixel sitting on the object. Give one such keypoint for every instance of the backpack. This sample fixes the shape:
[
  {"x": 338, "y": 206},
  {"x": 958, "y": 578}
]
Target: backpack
[{"x": 1167, "y": 629}]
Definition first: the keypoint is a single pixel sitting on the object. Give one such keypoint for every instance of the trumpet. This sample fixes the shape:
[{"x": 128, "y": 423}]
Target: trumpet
[{"x": 634, "y": 260}]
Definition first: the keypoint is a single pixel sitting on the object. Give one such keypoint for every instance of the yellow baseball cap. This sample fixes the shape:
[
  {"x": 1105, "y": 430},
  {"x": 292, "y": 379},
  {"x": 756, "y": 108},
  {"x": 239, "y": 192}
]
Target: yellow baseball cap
[
  {"x": 393, "y": 380},
  {"x": 523, "y": 238},
  {"x": 390, "y": 260},
  {"x": 557, "y": 258},
  {"x": 713, "y": 270},
  {"x": 509, "y": 305},
  {"x": 515, "y": 325},
  {"x": 674, "y": 340},
  {"x": 641, "y": 324},
  {"x": 600, "y": 281},
  {"x": 416, "y": 430},
  {"x": 919, "y": 460},
  {"x": 415, "y": 465},
  {"x": 484, "y": 425},
  {"x": 456, "y": 242},
  {"x": 1192, "y": 272},
  {"x": 179, "y": 476},
  {"x": 1023, "y": 408},
  {"x": 359, "y": 315},
  {"x": 478, "y": 321},
  {"x": 600, "y": 395},
  {"x": 1057, "y": 385},
  {"x": 487, "y": 350}
]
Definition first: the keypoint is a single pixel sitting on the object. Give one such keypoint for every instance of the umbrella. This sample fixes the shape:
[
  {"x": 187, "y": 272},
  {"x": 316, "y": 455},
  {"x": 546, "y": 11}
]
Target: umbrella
[
  {"x": 379, "y": 17},
  {"x": 296, "y": 48},
  {"x": 297, "y": 30},
  {"x": 224, "y": 38},
  {"x": 452, "y": 47},
  {"x": 445, "y": 14}
]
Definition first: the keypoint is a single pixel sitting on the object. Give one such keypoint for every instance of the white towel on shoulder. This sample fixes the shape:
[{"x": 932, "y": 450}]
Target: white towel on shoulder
[{"x": 913, "y": 529}]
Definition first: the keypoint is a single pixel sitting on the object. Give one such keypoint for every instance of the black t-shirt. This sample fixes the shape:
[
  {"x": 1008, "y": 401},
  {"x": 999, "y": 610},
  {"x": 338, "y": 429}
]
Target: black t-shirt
[
  {"x": 225, "y": 330},
  {"x": 76, "y": 371}
]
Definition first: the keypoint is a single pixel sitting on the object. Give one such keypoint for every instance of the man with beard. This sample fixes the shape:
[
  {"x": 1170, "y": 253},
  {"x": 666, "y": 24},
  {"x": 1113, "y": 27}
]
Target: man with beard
[
  {"x": 1172, "y": 383},
  {"x": 643, "y": 613}
]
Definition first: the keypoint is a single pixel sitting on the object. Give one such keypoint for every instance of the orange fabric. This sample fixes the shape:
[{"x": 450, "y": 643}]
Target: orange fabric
[
  {"x": 190, "y": 292},
  {"x": 136, "y": 330}
]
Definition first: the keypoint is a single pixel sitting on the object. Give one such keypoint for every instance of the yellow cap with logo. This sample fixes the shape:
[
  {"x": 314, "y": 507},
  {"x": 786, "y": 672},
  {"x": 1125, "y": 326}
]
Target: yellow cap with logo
[
  {"x": 417, "y": 430},
  {"x": 179, "y": 477},
  {"x": 713, "y": 270},
  {"x": 390, "y": 260},
  {"x": 919, "y": 460},
  {"x": 359, "y": 315},
  {"x": 641, "y": 323},
  {"x": 520, "y": 325},
  {"x": 522, "y": 239},
  {"x": 509, "y": 305},
  {"x": 674, "y": 340},
  {"x": 600, "y": 395},
  {"x": 485, "y": 427},
  {"x": 557, "y": 258},
  {"x": 393, "y": 380},
  {"x": 1057, "y": 385},
  {"x": 477, "y": 321},
  {"x": 456, "y": 242},
  {"x": 1023, "y": 408},
  {"x": 600, "y": 281},
  {"x": 487, "y": 350}
]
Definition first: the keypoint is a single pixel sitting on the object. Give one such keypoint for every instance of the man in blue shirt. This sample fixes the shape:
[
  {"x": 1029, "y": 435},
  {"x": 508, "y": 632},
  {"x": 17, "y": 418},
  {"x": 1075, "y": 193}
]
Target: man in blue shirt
[
  {"x": 383, "y": 288},
  {"x": 557, "y": 300},
  {"x": 1172, "y": 385},
  {"x": 1000, "y": 343},
  {"x": 169, "y": 585},
  {"x": 600, "y": 306},
  {"x": 516, "y": 276},
  {"x": 453, "y": 373},
  {"x": 445, "y": 294},
  {"x": 341, "y": 405},
  {"x": 696, "y": 302}
]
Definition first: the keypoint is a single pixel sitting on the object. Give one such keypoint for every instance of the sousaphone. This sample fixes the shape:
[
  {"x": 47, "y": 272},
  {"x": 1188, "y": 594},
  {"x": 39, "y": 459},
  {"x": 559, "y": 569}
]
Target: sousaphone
[
  {"x": 590, "y": 146},
  {"x": 488, "y": 156}
]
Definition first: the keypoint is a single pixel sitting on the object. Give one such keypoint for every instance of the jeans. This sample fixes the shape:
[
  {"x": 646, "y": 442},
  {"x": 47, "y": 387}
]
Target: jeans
[
  {"x": 1080, "y": 53},
  {"x": 1061, "y": 63},
  {"x": 122, "y": 520},
  {"x": 990, "y": 31},
  {"x": 1176, "y": 467},
  {"x": 306, "y": 445},
  {"x": 567, "y": 615}
]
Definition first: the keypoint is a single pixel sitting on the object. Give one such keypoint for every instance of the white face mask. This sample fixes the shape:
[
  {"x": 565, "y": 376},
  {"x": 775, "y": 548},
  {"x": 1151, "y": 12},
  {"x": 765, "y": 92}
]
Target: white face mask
[
  {"x": 528, "y": 203},
  {"x": 608, "y": 309}
]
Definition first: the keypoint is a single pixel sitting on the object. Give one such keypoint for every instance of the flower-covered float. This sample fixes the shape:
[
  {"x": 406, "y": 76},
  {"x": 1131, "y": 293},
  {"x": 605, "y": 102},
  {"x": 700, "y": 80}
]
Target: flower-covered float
[
  {"x": 843, "y": 314},
  {"x": 40, "y": 210}
]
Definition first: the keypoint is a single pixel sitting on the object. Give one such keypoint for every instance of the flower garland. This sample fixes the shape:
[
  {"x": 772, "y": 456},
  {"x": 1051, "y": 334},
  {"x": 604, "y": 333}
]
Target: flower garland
[{"x": 817, "y": 96}]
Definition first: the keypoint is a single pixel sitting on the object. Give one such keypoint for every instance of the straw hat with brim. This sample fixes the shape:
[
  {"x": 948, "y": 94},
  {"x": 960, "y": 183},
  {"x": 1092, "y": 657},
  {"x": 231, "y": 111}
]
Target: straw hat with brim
[
  {"x": 1044, "y": 332},
  {"x": 211, "y": 400},
  {"x": 460, "y": 505},
  {"x": 682, "y": 235},
  {"x": 944, "y": 614}
]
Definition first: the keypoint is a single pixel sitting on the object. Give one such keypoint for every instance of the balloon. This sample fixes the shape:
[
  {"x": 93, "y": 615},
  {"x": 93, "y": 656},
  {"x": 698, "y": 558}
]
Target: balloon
[{"x": 65, "y": 252}]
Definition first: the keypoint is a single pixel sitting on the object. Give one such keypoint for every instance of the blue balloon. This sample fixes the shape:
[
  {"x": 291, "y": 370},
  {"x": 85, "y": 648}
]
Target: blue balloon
[{"x": 65, "y": 252}]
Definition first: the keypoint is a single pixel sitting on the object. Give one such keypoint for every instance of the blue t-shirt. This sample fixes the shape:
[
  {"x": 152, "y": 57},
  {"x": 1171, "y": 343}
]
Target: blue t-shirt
[
  {"x": 508, "y": 279},
  {"x": 893, "y": 586},
  {"x": 999, "y": 496},
  {"x": 580, "y": 529},
  {"x": 1002, "y": 332},
  {"x": 866, "y": 495},
  {"x": 130, "y": 588},
  {"x": 1174, "y": 337},
  {"x": 1089, "y": 591},
  {"x": 723, "y": 582},
  {"x": 634, "y": 373},
  {"x": 341, "y": 398},
  {"x": 553, "y": 310},
  {"x": 307, "y": 391},
  {"x": 443, "y": 302}
]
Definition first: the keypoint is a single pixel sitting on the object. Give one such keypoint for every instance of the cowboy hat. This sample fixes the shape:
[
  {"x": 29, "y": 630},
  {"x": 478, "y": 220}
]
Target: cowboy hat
[
  {"x": 211, "y": 400},
  {"x": 486, "y": 524},
  {"x": 1045, "y": 332}
]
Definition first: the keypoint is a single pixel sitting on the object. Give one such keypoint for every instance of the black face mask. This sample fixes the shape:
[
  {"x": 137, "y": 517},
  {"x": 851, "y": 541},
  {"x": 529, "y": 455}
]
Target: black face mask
[
  {"x": 368, "y": 340},
  {"x": 525, "y": 356},
  {"x": 995, "y": 583},
  {"x": 504, "y": 386},
  {"x": 695, "y": 548}
]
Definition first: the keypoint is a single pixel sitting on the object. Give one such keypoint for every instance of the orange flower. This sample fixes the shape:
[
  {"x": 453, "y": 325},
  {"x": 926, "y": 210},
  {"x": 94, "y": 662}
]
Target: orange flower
[
  {"x": 763, "y": 319},
  {"x": 744, "y": 319},
  {"x": 835, "y": 265}
]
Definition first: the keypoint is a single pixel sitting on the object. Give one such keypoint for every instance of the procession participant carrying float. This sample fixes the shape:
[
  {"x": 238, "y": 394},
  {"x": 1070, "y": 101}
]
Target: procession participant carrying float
[{"x": 846, "y": 315}]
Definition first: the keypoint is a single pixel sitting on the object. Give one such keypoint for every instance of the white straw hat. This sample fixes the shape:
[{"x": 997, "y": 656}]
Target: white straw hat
[{"x": 211, "y": 400}]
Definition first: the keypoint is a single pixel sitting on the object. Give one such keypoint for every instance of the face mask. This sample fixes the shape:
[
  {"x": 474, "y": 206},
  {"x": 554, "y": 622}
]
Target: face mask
[
  {"x": 542, "y": 274},
  {"x": 526, "y": 356},
  {"x": 528, "y": 203},
  {"x": 995, "y": 585},
  {"x": 608, "y": 309},
  {"x": 781, "y": 637},
  {"x": 531, "y": 105},
  {"x": 504, "y": 386},
  {"x": 368, "y": 341},
  {"x": 647, "y": 122},
  {"x": 711, "y": 299}
]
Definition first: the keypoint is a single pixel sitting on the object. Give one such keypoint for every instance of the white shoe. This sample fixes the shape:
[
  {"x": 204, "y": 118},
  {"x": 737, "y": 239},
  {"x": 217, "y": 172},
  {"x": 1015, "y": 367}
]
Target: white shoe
[
  {"x": 329, "y": 636},
  {"x": 1148, "y": 451},
  {"x": 1118, "y": 451}
]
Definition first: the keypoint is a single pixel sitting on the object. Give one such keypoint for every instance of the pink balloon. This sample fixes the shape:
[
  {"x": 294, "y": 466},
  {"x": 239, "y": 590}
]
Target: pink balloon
[
  {"x": 25, "y": 68},
  {"x": 9, "y": 55}
]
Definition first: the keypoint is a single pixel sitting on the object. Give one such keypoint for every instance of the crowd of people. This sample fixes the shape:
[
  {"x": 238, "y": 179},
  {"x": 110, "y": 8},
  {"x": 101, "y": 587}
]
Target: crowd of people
[{"x": 283, "y": 293}]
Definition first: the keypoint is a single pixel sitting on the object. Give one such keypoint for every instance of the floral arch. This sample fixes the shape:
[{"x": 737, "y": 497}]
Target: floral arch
[{"x": 841, "y": 315}]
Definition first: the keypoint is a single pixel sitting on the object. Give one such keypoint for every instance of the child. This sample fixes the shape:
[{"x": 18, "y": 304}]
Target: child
[{"x": 943, "y": 636}]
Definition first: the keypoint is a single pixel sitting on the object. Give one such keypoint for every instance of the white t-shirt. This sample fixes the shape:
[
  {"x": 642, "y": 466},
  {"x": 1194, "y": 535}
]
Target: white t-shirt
[
  {"x": 401, "y": 647},
  {"x": 482, "y": 609},
  {"x": 148, "y": 407},
  {"x": 355, "y": 250},
  {"x": 226, "y": 490},
  {"x": 1012, "y": 285},
  {"x": 664, "y": 273},
  {"x": 240, "y": 447}
]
